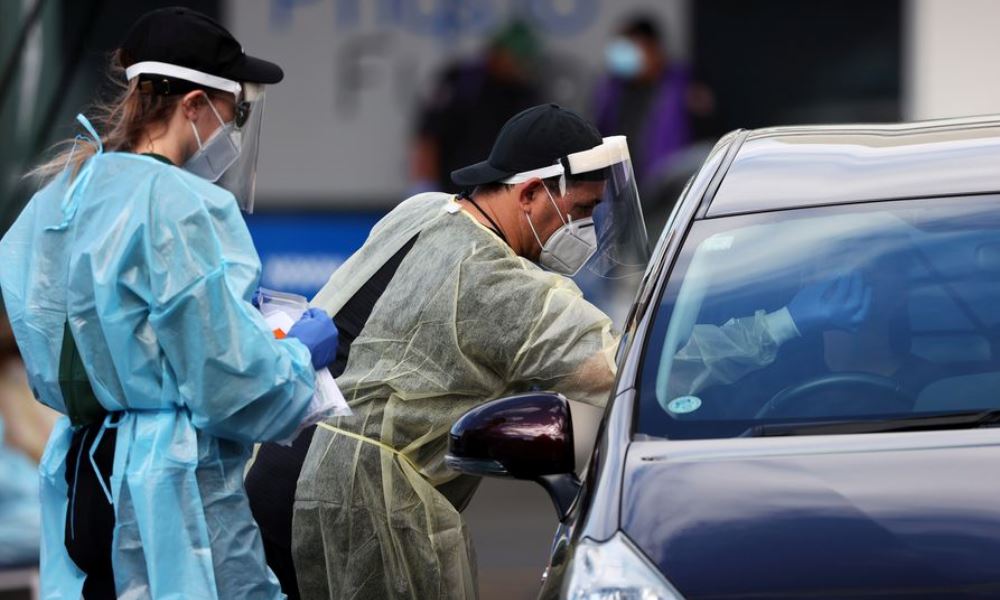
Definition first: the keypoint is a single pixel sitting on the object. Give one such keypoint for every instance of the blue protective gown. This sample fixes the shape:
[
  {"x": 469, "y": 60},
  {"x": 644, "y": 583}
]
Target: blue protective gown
[{"x": 153, "y": 268}]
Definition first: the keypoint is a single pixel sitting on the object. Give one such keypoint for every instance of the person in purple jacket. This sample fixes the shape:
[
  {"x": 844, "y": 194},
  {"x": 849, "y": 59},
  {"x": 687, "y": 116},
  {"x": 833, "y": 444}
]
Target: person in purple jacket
[{"x": 649, "y": 98}]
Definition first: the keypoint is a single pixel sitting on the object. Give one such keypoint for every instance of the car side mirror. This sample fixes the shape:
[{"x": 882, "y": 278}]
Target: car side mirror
[{"x": 528, "y": 436}]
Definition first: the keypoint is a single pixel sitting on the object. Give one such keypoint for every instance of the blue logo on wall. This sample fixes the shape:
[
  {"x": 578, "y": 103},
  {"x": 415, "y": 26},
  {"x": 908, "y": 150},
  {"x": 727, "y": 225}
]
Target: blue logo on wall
[
  {"x": 298, "y": 252},
  {"x": 438, "y": 18}
]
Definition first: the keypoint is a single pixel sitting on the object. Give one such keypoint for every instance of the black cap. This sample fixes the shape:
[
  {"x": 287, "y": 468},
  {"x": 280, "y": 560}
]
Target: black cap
[
  {"x": 186, "y": 38},
  {"x": 534, "y": 138}
]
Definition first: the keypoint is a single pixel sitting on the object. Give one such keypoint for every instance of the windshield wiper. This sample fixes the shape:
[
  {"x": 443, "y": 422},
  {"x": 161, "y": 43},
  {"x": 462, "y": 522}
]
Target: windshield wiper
[{"x": 956, "y": 420}]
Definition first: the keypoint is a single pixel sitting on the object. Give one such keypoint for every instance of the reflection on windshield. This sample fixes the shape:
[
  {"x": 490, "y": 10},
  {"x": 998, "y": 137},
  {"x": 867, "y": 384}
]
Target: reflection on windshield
[{"x": 857, "y": 312}]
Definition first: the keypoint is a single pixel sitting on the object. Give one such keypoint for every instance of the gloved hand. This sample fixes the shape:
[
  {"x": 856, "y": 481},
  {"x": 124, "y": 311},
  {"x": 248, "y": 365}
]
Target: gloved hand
[
  {"x": 316, "y": 330},
  {"x": 841, "y": 303}
]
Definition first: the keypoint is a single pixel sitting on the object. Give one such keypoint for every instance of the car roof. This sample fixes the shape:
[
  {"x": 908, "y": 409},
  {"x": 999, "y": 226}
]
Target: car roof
[{"x": 792, "y": 167}]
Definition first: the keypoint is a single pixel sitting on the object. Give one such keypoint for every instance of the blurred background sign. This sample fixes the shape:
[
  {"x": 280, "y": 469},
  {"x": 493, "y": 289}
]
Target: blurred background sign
[
  {"x": 340, "y": 131},
  {"x": 338, "y": 128},
  {"x": 299, "y": 251}
]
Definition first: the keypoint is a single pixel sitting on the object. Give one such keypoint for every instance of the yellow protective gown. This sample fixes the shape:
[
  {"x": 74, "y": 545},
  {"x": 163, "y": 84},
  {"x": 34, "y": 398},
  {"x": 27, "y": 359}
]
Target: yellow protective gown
[{"x": 463, "y": 321}]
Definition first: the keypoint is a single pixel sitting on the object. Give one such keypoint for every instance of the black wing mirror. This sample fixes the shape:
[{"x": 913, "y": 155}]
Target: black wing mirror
[{"x": 528, "y": 436}]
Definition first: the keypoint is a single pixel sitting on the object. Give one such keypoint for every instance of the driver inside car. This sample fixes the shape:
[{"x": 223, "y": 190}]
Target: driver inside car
[
  {"x": 859, "y": 320},
  {"x": 724, "y": 354}
]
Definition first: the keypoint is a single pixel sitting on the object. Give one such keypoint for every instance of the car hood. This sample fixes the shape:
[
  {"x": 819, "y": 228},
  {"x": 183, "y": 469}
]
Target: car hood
[{"x": 851, "y": 516}]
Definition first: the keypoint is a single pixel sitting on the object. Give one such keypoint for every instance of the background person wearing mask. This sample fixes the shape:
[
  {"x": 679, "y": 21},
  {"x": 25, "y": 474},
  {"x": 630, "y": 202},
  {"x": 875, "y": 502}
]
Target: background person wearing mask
[
  {"x": 20, "y": 449},
  {"x": 649, "y": 98},
  {"x": 656, "y": 103},
  {"x": 29, "y": 423},
  {"x": 442, "y": 309},
  {"x": 128, "y": 282},
  {"x": 24, "y": 427},
  {"x": 20, "y": 519},
  {"x": 469, "y": 104}
]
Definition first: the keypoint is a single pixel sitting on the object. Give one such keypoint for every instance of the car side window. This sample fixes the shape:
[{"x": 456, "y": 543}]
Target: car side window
[{"x": 847, "y": 312}]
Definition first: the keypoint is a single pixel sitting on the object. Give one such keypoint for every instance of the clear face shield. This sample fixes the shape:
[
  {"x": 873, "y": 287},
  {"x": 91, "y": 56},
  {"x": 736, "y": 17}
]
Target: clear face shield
[
  {"x": 622, "y": 244},
  {"x": 241, "y": 177},
  {"x": 606, "y": 253},
  {"x": 611, "y": 277},
  {"x": 229, "y": 157}
]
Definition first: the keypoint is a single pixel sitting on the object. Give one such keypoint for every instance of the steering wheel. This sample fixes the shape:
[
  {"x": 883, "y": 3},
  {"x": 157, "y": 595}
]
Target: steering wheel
[{"x": 889, "y": 393}]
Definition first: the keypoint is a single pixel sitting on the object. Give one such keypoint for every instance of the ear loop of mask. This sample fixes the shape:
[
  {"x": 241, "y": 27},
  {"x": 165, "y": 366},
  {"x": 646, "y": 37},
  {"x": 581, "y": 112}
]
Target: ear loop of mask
[
  {"x": 562, "y": 194},
  {"x": 533, "y": 232},
  {"x": 217, "y": 116},
  {"x": 196, "y": 136},
  {"x": 568, "y": 220}
]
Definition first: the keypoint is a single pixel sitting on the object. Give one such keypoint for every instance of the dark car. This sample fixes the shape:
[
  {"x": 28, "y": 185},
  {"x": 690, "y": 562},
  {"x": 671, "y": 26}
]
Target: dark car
[{"x": 808, "y": 383}]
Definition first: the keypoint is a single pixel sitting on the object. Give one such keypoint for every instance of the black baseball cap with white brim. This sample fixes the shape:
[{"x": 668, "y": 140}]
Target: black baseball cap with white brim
[
  {"x": 549, "y": 141},
  {"x": 532, "y": 144},
  {"x": 176, "y": 50}
]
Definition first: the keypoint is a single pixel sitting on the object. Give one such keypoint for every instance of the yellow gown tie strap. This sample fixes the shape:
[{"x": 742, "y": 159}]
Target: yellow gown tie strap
[{"x": 369, "y": 440}]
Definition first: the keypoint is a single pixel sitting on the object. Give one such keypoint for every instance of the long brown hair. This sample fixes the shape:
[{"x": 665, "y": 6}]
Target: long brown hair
[{"x": 121, "y": 123}]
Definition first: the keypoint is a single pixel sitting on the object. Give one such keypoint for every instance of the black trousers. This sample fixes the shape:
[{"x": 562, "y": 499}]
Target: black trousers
[
  {"x": 90, "y": 518},
  {"x": 270, "y": 486}
]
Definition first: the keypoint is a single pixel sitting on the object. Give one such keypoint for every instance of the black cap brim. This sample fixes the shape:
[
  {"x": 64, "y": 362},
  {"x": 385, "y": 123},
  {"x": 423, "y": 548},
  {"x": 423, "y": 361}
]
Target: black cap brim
[
  {"x": 255, "y": 70},
  {"x": 478, "y": 174}
]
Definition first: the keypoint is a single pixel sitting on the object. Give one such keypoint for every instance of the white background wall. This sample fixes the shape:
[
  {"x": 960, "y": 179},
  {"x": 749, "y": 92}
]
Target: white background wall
[
  {"x": 953, "y": 58},
  {"x": 338, "y": 126}
]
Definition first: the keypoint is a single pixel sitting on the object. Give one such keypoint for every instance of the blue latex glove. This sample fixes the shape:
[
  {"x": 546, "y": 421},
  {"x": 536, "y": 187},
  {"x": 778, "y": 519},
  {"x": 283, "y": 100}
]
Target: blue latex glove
[
  {"x": 316, "y": 330},
  {"x": 841, "y": 303}
]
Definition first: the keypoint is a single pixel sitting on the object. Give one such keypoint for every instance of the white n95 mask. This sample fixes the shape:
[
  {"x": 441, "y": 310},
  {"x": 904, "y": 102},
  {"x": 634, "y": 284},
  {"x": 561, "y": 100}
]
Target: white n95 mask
[
  {"x": 219, "y": 151},
  {"x": 570, "y": 246}
]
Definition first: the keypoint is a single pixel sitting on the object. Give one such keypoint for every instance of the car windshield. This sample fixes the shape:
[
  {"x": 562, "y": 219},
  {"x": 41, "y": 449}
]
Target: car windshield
[{"x": 846, "y": 313}]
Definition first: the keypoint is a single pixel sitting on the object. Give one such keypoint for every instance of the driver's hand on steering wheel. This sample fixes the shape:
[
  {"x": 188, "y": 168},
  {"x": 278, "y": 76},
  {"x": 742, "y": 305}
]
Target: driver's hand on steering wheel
[{"x": 840, "y": 303}]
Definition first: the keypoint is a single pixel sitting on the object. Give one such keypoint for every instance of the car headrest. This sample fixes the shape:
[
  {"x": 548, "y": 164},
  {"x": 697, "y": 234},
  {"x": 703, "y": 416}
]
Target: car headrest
[{"x": 988, "y": 257}]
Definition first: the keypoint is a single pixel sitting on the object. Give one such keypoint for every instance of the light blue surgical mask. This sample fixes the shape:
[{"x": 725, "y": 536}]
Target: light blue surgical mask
[
  {"x": 624, "y": 58},
  {"x": 218, "y": 152}
]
